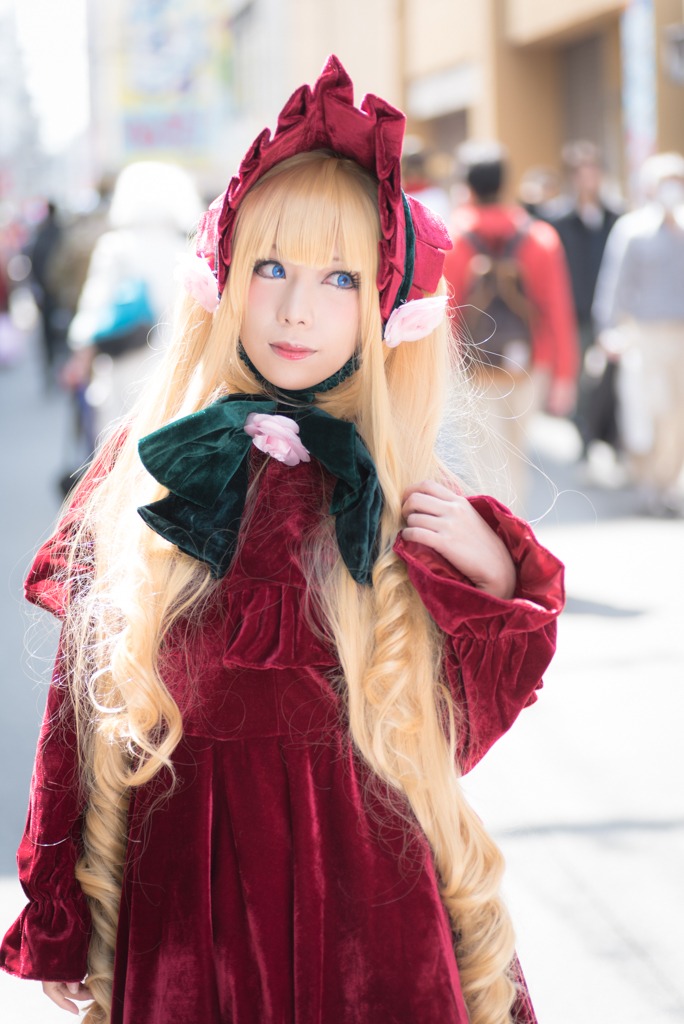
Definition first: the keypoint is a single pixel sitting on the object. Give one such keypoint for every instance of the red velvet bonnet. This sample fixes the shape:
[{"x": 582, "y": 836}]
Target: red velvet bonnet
[{"x": 324, "y": 117}]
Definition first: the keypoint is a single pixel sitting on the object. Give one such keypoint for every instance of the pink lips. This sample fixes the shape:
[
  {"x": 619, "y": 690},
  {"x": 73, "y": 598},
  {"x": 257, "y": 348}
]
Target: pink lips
[{"x": 287, "y": 351}]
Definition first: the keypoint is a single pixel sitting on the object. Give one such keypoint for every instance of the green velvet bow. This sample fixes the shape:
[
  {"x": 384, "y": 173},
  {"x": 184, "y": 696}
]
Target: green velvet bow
[{"x": 202, "y": 459}]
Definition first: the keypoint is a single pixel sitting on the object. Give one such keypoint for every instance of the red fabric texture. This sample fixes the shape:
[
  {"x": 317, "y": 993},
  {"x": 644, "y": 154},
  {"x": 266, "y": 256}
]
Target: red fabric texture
[
  {"x": 49, "y": 941},
  {"x": 274, "y": 885},
  {"x": 544, "y": 275},
  {"x": 324, "y": 117}
]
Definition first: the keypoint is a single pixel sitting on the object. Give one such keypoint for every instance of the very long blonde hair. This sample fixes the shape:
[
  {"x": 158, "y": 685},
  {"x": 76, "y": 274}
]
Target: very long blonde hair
[{"x": 402, "y": 718}]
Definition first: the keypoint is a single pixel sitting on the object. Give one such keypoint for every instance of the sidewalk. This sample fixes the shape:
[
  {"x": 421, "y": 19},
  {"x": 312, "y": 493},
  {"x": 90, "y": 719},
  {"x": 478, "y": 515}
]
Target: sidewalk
[{"x": 584, "y": 794}]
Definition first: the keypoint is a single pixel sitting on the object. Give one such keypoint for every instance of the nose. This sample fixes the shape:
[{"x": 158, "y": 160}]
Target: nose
[{"x": 295, "y": 309}]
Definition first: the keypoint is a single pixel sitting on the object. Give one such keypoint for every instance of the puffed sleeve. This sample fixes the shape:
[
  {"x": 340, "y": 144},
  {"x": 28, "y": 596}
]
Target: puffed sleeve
[
  {"x": 496, "y": 650},
  {"x": 49, "y": 941}
]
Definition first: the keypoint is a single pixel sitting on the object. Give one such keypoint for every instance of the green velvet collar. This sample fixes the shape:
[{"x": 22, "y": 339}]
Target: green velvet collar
[{"x": 203, "y": 461}]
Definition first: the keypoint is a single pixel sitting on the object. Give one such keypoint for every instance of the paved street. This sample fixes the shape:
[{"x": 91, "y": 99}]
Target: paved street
[{"x": 585, "y": 794}]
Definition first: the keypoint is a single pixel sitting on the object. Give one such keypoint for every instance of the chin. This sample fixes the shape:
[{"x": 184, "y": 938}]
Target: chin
[
  {"x": 294, "y": 383},
  {"x": 292, "y": 379}
]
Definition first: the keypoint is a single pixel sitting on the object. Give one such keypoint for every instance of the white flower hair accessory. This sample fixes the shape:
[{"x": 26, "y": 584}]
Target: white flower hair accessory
[
  {"x": 277, "y": 436},
  {"x": 414, "y": 320},
  {"x": 196, "y": 276}
]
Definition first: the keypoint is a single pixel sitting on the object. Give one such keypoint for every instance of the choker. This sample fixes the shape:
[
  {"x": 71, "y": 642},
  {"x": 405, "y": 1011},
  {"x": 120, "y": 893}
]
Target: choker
[{"x": 306, "y": 395}]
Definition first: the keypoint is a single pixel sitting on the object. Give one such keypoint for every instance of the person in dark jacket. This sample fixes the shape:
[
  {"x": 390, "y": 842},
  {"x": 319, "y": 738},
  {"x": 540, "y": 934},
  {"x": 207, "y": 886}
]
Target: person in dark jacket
[
  {"x": 42, "y": 252},
  {"x": 583, "y": 223}
]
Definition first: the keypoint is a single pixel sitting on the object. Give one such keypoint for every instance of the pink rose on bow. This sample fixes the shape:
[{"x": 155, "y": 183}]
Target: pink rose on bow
[
  {"x": 277, "y": 436},
  {"x": 414, "y": 320},
  {"x": 194, "y": 274}
]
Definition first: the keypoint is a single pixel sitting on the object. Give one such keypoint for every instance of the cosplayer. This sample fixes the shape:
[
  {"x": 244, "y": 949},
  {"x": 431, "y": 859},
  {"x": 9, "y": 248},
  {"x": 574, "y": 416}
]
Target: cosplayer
[{"x": 286, "y": 634}]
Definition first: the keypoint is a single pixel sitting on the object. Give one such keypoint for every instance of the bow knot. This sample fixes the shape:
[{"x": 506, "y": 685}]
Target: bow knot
[{"x": 202, "y": 460}]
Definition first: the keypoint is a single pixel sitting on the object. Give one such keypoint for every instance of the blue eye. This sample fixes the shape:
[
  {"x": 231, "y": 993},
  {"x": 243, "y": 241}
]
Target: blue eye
[
  {"x": 270, "y": 268},
  {"x": 343, "y": 279}
]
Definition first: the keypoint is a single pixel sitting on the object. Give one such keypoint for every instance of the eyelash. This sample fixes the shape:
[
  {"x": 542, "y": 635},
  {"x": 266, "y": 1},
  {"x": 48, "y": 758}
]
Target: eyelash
[
  {"x": 260, "y": 264},
  {"x": 354, "y": 278}
]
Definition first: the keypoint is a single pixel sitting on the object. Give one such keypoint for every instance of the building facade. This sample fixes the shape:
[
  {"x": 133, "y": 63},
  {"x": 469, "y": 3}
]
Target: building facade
[
  {"x": 196, "y": 80},
  {"x": 535, "y": 75}
]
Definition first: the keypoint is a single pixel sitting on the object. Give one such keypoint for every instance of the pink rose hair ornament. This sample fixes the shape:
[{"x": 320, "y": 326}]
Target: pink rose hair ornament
[
  {"x": 195, "y": 275},
  {"x": 414, "y": 239},
  {"x": 414, "y": 320}
]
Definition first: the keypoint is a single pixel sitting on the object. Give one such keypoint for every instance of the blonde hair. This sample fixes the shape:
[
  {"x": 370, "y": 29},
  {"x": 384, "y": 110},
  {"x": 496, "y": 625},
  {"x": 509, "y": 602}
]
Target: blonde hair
[{"x": 402, "y": 719}]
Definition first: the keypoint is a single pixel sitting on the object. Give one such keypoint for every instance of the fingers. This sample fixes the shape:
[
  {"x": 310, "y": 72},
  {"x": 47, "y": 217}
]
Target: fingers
[
  {"x": 429, "y": 499},
  {"x": 430, "y": 523},
  {"x": 432, "y": 488},
  {"x": 78, "y": 990},
  {"x": 429, "y": 538},
  {"x": 58, "y": 992}
]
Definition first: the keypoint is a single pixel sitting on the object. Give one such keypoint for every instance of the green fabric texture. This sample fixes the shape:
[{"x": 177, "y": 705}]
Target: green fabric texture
[
  {"x": 203, "y": 460},
  {"x": 409, "y": 258}
]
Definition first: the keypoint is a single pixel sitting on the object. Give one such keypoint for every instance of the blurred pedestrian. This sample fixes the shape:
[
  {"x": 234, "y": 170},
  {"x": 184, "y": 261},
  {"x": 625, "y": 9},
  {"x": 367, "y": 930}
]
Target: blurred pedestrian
[
  {"x": 539, "y": 191},
  {"x": 128, "y": 291},
  {"x": 416, "y": 164},
  {"x": 584, "y": 221},
  {"x": 80, "y": 232},
  {"x": 639, "y": 310},
  {"x": 7, "y": 346},
  {"x": 510, "y": 292},
  {"x": 42, "y": 251}
]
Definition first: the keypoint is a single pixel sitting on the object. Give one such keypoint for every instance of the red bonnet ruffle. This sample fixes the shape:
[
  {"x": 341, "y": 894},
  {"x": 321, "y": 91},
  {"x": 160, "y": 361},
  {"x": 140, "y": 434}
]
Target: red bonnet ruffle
[{"x": 324, "y": 117}]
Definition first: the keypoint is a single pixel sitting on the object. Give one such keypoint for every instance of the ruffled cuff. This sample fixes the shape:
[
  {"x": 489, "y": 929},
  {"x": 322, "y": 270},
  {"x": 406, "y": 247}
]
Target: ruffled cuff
[
  {"x": 49, "y": 941},
  {"x": 50, "y": 938},
  {"x": 458, "y": 606}
]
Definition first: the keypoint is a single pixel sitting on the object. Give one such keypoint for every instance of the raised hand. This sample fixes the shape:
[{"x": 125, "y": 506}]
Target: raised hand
[{"x": 448, "y": 523}]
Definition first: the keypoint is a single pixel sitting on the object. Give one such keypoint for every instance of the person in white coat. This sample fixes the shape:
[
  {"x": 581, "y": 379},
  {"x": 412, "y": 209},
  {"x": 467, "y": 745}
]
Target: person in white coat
[
  {"x": 639, "y": 310},
  {"x": 154, "y": 207}
]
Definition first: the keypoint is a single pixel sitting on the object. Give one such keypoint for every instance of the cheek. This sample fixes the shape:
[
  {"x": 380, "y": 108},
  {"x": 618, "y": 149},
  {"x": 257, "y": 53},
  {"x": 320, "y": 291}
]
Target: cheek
[
  {"x": 351, "y": 319},
  {"x": 354, "y": 331},
  {"x": 253, "y": 308}
]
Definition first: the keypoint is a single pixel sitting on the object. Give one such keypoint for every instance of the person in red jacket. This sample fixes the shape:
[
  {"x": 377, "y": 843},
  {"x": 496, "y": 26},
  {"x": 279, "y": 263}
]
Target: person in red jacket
[{"x": 512, "y": 303}]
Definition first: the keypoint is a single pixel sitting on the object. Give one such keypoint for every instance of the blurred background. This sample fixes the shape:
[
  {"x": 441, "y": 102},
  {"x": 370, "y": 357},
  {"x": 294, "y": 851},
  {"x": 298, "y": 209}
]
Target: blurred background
[
  {"x": 90, "y": 87},
  {"x": 585, "y": 794}
]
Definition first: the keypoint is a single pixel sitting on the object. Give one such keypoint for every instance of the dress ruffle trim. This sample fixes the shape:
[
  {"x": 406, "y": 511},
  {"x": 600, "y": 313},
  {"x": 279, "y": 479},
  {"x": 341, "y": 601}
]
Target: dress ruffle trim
[{"x": 49, "y": 941}]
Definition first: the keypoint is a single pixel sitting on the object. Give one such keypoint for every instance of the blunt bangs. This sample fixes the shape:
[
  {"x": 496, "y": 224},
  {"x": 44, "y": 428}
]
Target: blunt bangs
[{"x": 312, "y": 208}]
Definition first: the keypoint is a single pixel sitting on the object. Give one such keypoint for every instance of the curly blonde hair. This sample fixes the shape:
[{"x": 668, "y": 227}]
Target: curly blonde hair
[{"x": 402, "y": 718}]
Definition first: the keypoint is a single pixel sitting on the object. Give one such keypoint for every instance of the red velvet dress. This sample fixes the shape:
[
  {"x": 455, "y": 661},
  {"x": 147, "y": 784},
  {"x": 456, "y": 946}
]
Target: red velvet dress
[{"x": 273, "y": 887}]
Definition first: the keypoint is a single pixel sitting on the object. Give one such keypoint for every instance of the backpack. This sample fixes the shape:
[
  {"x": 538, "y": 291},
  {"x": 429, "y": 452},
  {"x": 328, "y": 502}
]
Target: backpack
[{"x": 497, "y": 313}]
